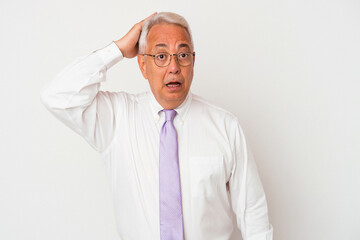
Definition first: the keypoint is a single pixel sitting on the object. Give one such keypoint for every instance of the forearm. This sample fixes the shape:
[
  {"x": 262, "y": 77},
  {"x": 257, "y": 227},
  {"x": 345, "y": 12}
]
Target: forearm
[
  {"x": 73, "y": 96},
  {"x": 247, "y": 194},
  {"x": 78, "y": 83}
]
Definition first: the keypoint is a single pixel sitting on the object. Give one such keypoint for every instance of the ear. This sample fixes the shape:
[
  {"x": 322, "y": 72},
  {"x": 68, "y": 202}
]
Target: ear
[
  {"x": 194, "y": 60},
  {"x": 142, "y": 65}
]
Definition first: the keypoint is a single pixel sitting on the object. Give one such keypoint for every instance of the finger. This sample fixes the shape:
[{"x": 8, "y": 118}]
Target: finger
[{"x": 148, "y": 18}]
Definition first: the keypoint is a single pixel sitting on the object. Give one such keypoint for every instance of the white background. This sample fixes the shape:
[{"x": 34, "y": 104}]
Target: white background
[{"x": 288, "y": 69}]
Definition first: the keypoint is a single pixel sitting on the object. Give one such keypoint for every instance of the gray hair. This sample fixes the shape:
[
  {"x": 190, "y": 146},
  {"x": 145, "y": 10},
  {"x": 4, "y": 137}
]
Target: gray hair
[{"x": 162, "y": 17}]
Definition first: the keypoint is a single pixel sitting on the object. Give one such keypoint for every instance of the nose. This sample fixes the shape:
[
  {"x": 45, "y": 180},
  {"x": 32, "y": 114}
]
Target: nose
[{"x": 174, "y": 66}]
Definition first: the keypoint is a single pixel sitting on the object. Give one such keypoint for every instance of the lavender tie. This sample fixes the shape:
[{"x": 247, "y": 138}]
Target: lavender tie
[{"x": 171, "y": 221}]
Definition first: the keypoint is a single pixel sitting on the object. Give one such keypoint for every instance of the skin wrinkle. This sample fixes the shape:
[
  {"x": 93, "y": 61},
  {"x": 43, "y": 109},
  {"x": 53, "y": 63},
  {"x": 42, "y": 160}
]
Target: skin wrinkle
[{"x": 170, "y": 38}]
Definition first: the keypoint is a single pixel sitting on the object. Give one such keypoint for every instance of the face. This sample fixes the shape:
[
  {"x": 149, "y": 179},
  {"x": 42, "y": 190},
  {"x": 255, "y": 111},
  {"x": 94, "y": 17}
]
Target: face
[{"x": 171, "y": 84}]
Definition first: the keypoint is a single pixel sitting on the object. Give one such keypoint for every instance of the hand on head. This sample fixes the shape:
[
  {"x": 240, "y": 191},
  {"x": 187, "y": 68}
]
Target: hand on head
[
  {"x": 166, "y": 33},
  {"x": 128, "y": 44}
]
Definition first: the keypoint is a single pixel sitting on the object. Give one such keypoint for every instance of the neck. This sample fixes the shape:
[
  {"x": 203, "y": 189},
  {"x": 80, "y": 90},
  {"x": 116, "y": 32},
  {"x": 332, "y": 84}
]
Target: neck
[{"x": 170, "y": 105}]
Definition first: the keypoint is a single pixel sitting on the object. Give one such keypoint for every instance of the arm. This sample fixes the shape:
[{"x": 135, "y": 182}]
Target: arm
[
  {"x": 74, "y": 97},
  {"x": 247, "y": 194}
]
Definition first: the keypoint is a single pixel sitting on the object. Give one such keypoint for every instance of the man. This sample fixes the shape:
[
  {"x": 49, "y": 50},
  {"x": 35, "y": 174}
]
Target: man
[{"x": 178, "y": 165}]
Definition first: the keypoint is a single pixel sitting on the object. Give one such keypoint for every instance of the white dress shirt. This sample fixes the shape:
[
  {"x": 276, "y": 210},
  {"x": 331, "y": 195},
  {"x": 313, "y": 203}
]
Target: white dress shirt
[{"x": 218, "y": 173}]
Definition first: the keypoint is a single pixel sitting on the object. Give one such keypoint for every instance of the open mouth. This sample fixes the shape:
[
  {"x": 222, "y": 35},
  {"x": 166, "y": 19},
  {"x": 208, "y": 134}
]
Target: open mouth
[{"x": 173, "y": 84}]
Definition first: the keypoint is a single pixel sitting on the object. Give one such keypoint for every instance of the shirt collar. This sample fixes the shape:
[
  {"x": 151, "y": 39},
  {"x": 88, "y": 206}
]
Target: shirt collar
[{"x": 181, "y": 110}]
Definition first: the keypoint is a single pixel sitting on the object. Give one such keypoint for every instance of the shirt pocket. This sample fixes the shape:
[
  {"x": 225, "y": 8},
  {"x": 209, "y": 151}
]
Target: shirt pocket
[{"x": 205, "y": 176}]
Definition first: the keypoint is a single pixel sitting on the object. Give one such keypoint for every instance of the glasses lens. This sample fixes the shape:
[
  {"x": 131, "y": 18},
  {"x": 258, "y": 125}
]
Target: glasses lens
[
  {"x": 184, "y": 59},
  {"x": 162, "y": 59}
]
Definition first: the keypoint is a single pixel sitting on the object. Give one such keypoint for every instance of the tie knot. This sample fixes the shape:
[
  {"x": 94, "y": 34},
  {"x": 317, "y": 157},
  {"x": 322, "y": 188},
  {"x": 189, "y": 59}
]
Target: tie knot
[{"x": 169, "y": 114}]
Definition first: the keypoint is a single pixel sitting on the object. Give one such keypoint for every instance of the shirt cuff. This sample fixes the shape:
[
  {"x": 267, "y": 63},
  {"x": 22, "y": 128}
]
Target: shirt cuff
[{"x": 110, "y": 55}]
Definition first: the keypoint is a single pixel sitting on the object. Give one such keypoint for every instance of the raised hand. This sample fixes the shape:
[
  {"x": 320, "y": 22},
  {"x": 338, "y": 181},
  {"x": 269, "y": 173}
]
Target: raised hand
[{"x": 128, "y": 44}]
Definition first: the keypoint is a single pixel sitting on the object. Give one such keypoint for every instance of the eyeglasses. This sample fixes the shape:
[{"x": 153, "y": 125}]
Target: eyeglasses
[{"x": 163, "y": 59}]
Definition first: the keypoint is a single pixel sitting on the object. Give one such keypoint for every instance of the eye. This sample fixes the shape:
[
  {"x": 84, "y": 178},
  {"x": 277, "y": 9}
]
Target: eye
[
  {"x": 183, "y": 55},
  {"x": 161, "y": 56}
]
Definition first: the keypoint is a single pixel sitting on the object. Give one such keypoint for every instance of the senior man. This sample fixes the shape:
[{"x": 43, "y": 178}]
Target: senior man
[{"x": 178, "y": 165}]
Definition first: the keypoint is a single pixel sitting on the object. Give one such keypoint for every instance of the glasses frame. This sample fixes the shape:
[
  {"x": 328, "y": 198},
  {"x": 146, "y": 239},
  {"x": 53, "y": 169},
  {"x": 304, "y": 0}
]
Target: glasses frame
[{"x": 174, "y": 54}]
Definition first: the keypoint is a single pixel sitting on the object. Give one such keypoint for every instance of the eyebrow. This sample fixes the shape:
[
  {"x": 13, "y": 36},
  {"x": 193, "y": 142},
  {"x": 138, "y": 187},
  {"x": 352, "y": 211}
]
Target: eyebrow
[
  {"x": 184, "y": 45},
  {"x": 160, "y": 45}
]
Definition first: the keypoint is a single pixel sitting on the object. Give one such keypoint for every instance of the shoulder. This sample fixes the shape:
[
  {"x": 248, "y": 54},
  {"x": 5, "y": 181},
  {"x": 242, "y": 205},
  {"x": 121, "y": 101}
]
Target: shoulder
[
  {"x": 124, "y": 96},
  {"x": 210, "y": 109}
]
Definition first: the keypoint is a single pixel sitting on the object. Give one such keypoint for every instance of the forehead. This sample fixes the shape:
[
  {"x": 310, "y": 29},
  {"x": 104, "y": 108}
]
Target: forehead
[{"x": 168, "y": 36}]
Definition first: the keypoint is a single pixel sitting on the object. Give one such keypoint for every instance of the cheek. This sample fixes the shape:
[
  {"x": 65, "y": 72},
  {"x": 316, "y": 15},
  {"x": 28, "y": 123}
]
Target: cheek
[
  {"x": 160, "y": 75},
  {"x": 155, "y": 79},
  {"x": 189, "y": 77}
]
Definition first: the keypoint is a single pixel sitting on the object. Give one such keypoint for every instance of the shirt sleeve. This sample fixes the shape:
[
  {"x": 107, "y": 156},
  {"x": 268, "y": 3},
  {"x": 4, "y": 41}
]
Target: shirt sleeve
[
  {"x": 73, "y": 96},
  {"x": 247, "y": 194}
]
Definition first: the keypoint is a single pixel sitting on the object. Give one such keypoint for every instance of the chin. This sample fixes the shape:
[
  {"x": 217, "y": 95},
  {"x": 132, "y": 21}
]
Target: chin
[
  {"x": 173, "y": 102},
  {"x": 176, "y": 98}
]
